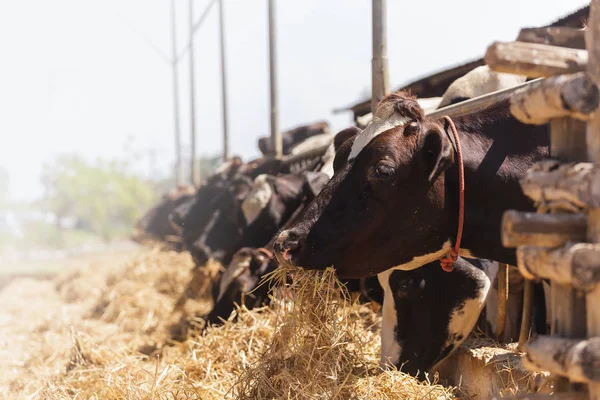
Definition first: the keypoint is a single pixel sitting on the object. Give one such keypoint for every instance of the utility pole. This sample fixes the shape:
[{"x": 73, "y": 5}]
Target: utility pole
[
  {"x": 379, "y": 66},
  {"x": 178, "y": 164},
  {"x": 223, "y": 82},
  {"x": 275, "y": 134},
  {"x": 194, "y": 170}
]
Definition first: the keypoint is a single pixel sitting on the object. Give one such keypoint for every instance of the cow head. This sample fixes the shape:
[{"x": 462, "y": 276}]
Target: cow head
[
  {"x": 239, "y": 283},
  {"x": 385, "y": 205},
  {"x": 427, "y": 313},
  {"x": 223, "y": 229},
  {"x": 155, "y": 222}
]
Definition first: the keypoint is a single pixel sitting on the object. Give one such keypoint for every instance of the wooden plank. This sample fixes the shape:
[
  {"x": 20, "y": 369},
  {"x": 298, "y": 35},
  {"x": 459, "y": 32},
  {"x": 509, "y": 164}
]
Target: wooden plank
[
  {"x": 563, "y": 187},
  {"x": 527, "y": 313},
  {"x": 502, "y": 299},
  {"x": 535, "y": 60},
  {"x": 577, "y": 359},
  {"x": 574, "y": 96},
  {"x": 562, "y": 36},
  {"x": 593, "y": 141},
  {"x": 547, "y": 230},
  {"x": 575, "y": 264},
  {"x": 568, "y": 306}
]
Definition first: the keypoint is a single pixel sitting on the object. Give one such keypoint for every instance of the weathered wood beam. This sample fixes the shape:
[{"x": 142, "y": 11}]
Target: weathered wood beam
[
  {"x": 556, "y": 186},
  {"x": 574, "y": 96},
  {"x": 562, "y": 36},
  {"x": 578, "y": 360},
  {"x": 593, "y": 143},
  {"x": 502, "y": 300},
  {"x": 574, "y": 264},
  {"x": 546, "y": 230},
  {"x": 527, "y": 314},
  {"x": 535, "y": 60}
]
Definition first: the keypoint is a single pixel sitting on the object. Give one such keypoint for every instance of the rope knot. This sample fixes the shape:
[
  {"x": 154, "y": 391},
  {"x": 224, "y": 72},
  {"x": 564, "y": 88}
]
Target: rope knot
[{"x": 448, "y": 260}]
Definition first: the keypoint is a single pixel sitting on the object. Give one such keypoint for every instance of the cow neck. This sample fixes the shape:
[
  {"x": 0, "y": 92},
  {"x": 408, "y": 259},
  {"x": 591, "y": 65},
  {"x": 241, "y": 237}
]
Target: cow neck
[{"x": 489, "y": 191}]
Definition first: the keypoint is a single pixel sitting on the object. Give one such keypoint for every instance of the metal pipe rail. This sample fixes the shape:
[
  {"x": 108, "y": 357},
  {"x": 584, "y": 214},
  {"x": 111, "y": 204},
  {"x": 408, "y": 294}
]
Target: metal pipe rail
[{"x": 455, "y": 110}]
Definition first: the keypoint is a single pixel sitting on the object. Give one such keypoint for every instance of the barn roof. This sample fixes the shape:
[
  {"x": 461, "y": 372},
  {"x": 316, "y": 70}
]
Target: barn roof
[{"x": 436, "y": 84}]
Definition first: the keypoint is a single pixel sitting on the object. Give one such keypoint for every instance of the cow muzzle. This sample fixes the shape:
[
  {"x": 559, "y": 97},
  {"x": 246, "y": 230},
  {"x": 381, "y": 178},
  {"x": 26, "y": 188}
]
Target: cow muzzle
[{"x": 287, "y": 247}]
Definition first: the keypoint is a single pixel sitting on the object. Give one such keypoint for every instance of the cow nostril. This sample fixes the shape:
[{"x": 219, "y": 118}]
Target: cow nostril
[{"x": 288, "y": 244}]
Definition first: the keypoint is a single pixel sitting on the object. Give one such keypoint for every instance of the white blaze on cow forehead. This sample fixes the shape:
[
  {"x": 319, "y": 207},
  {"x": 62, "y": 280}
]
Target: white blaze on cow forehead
[
  {"x": 257, "y": 200},
  {"x": 235, "y": 269},
  {"x": 385, "y": 119},
  {"x": 390, "y": 348}
]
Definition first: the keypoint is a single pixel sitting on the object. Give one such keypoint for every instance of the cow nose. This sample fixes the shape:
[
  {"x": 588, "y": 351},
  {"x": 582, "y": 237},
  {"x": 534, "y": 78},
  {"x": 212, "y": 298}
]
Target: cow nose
[{"x": 287, "y": 245}]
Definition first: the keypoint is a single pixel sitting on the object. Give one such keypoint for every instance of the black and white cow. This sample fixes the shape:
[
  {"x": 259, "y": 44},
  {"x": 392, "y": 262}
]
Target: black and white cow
[
  {"x": 393, "y": 200},
  {"x": 217, "y": 201},
  {"x": 240, "y": 282},
  {"x": 428, "y": 313},
  {"x": 475, "y": 83},
  {"x": 293, "y": 137},
  {"x": 155, "y": 222},
  {"x": 253, "y": 213}
]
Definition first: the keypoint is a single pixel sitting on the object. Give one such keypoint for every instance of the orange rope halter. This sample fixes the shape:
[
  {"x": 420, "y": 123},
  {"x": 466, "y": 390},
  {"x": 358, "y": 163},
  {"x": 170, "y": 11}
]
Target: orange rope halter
[
  {"x": 266, "y": 252},
  {"x": 449, "y": 259}
]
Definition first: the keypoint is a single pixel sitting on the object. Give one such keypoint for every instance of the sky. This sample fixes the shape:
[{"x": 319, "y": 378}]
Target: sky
[{"x": 78, "y": 76}]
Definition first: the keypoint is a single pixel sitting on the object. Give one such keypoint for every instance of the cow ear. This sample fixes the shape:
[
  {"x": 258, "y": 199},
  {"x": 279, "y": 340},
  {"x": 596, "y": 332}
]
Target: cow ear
[
  {"x": 437, "y": 153},
  {"x": 344, "y": 135},
  {"x": 343, "y": 144},
  {"x": 314, "y": 183}
]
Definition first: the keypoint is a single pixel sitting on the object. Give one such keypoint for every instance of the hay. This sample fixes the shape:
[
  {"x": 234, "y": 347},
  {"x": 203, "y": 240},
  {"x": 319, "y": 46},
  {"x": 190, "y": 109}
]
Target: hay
[
  {"x": 325, "y": 347},
  {"x": 112, "y": 342}
]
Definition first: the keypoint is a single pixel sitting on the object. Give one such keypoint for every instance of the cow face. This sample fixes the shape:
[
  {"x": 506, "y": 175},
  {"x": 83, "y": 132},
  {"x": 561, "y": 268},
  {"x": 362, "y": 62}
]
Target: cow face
[
  {"x": 155, "y": 223},
  {"x": 239, "y": 283},
  {"x": 427, "y": 313},
  {"x": 384, "y": 206},
  {"x": 220, "y": 235}
]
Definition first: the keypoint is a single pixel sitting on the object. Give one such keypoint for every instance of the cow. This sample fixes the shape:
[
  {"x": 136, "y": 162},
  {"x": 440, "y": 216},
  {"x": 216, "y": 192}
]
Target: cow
[
  {"x": 427, "y": 104},
  {"x": 293, "y": 137},
  {"x": 392, "y": 203},
  {"x": 226, "y": 188},
  {"x": 393, "y": 200},
  {"x": 241, "y": 284},
  {"x": 475, "y": 83},
  {"x": 253, "y": 214},
  {"x": 155, "y": 222},
  {"x": 428, "y": 313}
]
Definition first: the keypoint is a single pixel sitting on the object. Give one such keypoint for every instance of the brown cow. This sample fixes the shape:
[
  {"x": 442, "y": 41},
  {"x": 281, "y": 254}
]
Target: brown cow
[{"x": 393, "y": 200}]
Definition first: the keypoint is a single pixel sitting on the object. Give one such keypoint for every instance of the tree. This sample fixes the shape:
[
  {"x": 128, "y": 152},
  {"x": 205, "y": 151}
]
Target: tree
[{"x": 105, "y": 197}]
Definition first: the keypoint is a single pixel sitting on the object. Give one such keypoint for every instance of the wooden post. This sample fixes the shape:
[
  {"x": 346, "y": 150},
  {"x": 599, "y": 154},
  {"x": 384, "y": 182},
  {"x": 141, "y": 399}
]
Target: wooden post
[
  {"x": 178, "y": 165},
  {"x": 593, "y": 147},
  {"x": 502, "y": 300},
  {"x": 379, "y": 66},
  {"x": 194, "y": 171},
  {"x": 223, "y": 82},
  {"x": 275, "y": 133}
]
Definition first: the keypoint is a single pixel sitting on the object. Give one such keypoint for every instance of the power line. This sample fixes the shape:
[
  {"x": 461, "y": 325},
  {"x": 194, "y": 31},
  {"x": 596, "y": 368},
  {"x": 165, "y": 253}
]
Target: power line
[
  {"x": 195, "y": 27},
  {"x": 146, "y": 39}
]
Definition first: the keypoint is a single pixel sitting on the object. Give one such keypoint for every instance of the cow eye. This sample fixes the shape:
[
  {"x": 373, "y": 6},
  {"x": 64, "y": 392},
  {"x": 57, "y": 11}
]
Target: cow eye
[
  {"x": 383, "y": 171},
  {"x": 411, "y": 128}
]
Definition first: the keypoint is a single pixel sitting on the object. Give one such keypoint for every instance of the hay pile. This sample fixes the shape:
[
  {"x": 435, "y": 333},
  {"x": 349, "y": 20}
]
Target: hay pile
[{"x": 102, "y": 332}]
